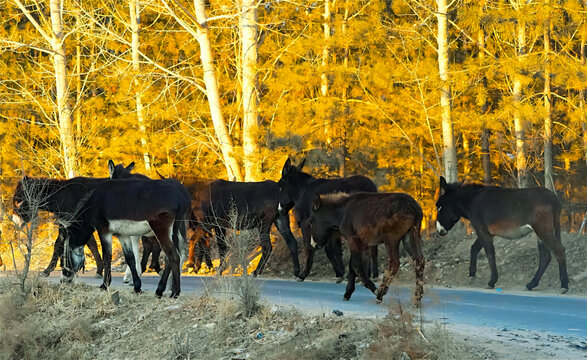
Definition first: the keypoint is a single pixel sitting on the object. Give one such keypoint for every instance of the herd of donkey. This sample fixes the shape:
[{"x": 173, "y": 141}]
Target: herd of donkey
[{"x": 130, "y": 206}]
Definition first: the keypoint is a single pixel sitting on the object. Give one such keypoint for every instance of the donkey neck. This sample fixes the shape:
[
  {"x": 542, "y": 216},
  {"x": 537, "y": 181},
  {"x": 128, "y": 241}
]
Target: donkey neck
[
  {"x": 46, "y": 192},
  {"x": 466, "y": 196}
]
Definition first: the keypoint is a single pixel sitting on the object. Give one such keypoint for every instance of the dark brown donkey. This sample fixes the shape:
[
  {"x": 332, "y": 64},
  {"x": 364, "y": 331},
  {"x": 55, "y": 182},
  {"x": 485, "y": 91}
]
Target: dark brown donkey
[
  {"x": 368, "y": 219},
  {"x": 507, "y": 213}
]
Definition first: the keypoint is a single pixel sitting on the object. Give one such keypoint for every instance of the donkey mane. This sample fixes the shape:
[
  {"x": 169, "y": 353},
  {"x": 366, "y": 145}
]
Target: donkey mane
[{"x": 334, "y": 198}]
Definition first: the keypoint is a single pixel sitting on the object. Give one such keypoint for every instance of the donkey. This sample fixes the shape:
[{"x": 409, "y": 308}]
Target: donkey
[
  {"x": 60, "y": 197},
  {"x": 507, "y": 213},
  {"x": 132, "y": 207},
  {"x": 366, "y": 220},
  {"x": 256, "y": 204},
  {"x": 297, "y": 190}
]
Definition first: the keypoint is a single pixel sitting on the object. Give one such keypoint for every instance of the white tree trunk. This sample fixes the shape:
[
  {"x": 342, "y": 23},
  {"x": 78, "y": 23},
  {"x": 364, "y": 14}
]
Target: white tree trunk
[
  {"x": 248, "y": 33},
  {"x": 450, "y": 152},
  {"x": 135, "y": 21},
  {"x": 548, "y": 173},
  {"x": 519, "y": 123},
  {"x": 325, "y": 50},
  {"x": 232, "y": 169},
  {"x": 66, "y": 134}
]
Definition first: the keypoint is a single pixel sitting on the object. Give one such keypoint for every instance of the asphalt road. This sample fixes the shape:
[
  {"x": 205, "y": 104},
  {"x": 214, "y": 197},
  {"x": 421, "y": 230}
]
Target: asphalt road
[{"x": 559, "y": 315}]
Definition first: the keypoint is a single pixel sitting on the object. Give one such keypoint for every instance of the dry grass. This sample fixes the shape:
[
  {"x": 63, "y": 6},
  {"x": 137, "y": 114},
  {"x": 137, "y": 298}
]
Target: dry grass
[{"x": 76, "y": 321}]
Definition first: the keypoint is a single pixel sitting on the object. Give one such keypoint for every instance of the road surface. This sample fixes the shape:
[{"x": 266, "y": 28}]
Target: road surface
[{"x": 560, "y": 315}]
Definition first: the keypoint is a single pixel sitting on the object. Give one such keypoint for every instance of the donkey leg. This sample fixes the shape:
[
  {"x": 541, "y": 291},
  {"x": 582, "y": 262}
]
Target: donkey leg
[
  {"x": 193, "y": 242},
  {"x": 222, "y": 248},
  {"x": 487, "y": 242},
  {"x": 357, "y": 249},
  {"x": 559, "y": 253},
  {"x": 551, "y": 240},
  {"x": 147, "y": 250},
  {"x": 131, "y": 260},
  {"x": 374, "y": 262},
  {"x": 392, "y": 268},
  {"x": 543, "y": 261},
  {"x": 163, "y": 227},
  {"x": 106, "y": 241},
  {"x": 308, "y": 252},
  {"x": 475, "y": 248},
  {"x": 333, "y": 251},
  {"x": 350, "y": 285},
  {"x": 155, "y": 255},
  {"x": 266, "y": 249},
  {"x": 282, "y": 224},
  {"x": 93, "y": 246},
  {"x": 57, "y": 251}
]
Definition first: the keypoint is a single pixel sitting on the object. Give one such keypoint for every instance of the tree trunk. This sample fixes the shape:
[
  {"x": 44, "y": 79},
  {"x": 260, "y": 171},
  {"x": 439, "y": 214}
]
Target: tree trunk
[
  {"x": 450, "y": 152},
  {"x": 248, "y": 32},
  {"x": 232, "y": 169},
  {"x": 519, "y": 123},
  {"x": 66, "y": 134},
  {"x": 135, "y": 21},
  {"x": 78, "y": 85},
  {"x": 548, "y": 173},
  {"x": 486, "y": 156},
  {"x": 485, "y": 132},
  {"x": 582, "y": 90},
  {"x": 325, "y": 50}
]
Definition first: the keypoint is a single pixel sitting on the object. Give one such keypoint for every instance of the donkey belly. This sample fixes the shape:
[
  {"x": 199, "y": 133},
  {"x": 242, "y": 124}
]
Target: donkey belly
[
  {"x": 130, "y": 228},
  {"x": 512, "y": 233}
]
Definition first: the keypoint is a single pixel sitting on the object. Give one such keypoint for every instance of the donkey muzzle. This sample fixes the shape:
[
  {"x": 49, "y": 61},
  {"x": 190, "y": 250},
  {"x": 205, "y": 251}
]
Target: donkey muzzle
[{"x": 440, "y": 229}]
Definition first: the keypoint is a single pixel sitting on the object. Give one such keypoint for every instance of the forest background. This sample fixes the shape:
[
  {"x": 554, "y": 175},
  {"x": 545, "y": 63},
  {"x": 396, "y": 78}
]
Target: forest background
[{"x": 400, "y": 91}]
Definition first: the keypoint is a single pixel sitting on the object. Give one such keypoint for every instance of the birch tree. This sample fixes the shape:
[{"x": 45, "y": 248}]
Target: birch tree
[
  {"x": 548, "y": 176},
  {"x": 249, "y": 58},
  {"x": 55, "y": 38},
  {"x": 450, "y": 152},
  {"x": 519, "y": 123},
  {"x": 135, "y": 21}
]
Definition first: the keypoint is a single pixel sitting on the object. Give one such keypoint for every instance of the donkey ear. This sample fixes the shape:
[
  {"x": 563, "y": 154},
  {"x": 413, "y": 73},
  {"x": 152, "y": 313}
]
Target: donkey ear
[
  {"x": 130, "y": 166},
  {"x": 286, "y": 167},
  {"x": 317, "y": 202},
  {"x": 301, "y": 164},
  {"x": 111, "y": 167},
  {"x": 443, "y": 186}
]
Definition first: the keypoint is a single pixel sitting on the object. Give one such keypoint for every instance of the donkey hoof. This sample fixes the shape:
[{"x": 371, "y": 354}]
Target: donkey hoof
[
  {"x": 378, "y": 300},
  {"x": 103, "y": 287},
  {"x": 158, "y": 294},
  {"x": 339, "y": 279},
  {"x": 300, "y": 279},
  {"x": 564, "y": 290},
  {"x": 530, "y": 286},
  {"x": 345, "y": 298}
]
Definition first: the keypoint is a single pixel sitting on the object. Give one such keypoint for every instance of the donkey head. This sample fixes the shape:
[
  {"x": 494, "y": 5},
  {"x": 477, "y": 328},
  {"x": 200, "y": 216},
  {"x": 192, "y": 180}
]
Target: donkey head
[
  {"x": 119, "y": 171},
  {"x": 324, "y": 221},
  {"x": 289, "y": 185},
  {"x": 26, "y": 198},
  {"x": 447, "y": 206}
]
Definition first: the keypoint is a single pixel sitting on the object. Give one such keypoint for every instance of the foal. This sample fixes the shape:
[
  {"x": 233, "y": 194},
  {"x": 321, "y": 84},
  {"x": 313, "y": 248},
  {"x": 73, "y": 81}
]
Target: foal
[
  {"x": 297, "y": 190},
  {"x": 507, "y": 213},
  {"x": 366, "y": 220}
]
